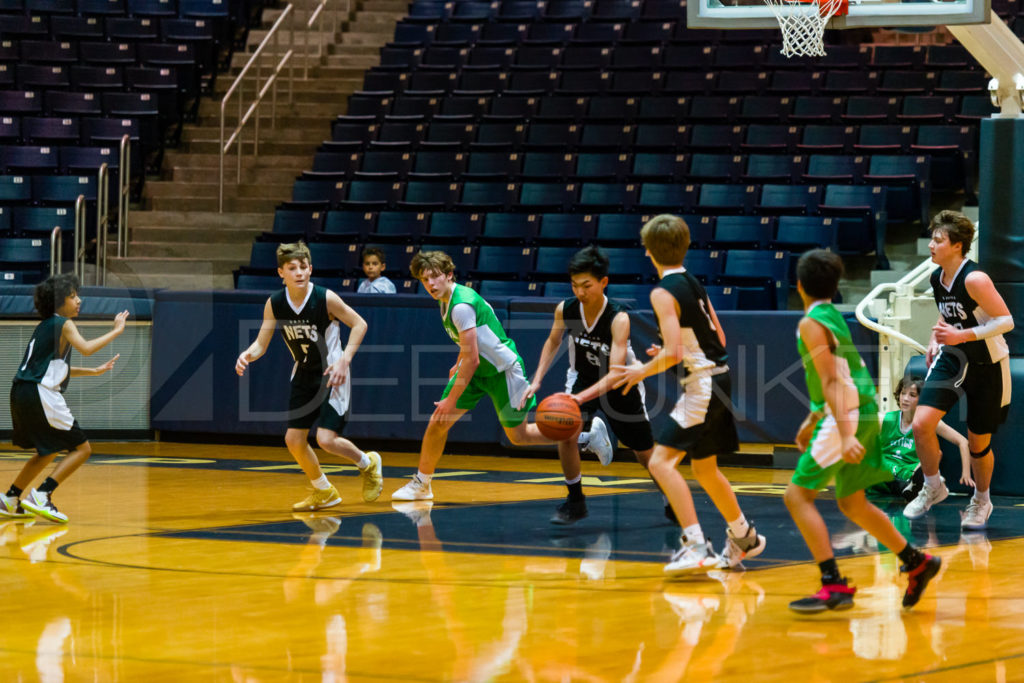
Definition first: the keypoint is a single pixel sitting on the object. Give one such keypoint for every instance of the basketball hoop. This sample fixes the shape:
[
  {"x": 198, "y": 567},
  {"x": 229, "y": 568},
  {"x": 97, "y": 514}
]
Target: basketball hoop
[{"x": 803, "y": 24}]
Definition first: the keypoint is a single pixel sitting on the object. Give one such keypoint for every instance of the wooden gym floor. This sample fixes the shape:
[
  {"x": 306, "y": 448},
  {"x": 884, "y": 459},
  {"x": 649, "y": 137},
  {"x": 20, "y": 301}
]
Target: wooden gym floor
[{"x": 184, "y": 562}]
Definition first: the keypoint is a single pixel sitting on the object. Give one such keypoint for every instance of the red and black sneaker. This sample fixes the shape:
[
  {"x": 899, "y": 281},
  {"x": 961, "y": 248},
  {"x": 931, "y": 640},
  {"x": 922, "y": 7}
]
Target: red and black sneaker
[
  {"x": 835, "y": 596},
  {"x": 918, "y": 578}
]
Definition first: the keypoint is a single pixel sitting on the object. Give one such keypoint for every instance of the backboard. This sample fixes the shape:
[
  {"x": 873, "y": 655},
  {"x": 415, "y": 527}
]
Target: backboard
[{"x": 727, "y": 14}]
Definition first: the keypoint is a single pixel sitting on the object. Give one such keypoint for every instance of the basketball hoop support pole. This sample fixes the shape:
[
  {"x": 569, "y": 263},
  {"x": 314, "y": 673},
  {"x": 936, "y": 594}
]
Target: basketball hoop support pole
[{"x": 1000, "y": 52}]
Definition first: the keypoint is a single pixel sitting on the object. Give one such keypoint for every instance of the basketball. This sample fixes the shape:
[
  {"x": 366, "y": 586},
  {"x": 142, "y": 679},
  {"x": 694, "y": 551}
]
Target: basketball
[{"x": 558, "y": 417}]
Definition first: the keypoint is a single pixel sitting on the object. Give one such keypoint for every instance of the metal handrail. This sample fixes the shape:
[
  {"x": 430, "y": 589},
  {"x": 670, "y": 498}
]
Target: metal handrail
[
  {"x": 235, "y": 137},
  {"x": 102, "y": 223},
  {"x": 911, "y": 280},
  {"x": 56, "y": 251},
  {"x": 123, "y": 199},
  {"x": 78, "y": 260}
]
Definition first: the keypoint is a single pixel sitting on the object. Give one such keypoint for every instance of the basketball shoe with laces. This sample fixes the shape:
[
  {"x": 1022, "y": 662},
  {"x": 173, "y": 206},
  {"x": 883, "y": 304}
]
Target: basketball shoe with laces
[
  {"x": 976, "y": 516},
  {"x": 926, "y": 498},
  {"x": 697, "y": 557},
  {"x": 416, "y": 489},
  {"x": 738, "y": 549},
  {"x": 39, "y": 504},
  {"x": 834, "y": 596},
  {"x": 918, "y": 578},
  {"x": 596, "y": 441},
  {"x": 373, "y": 477},
  {"x": 10, "y": 507},
  {"x": 318, "y": 500}
]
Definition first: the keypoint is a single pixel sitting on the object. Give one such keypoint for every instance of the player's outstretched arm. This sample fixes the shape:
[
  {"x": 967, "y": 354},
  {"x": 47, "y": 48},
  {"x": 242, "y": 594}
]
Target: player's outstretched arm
[
  {"x": 840, "y": 394},
  {"x": 547, "y": 355},
  {"x": 671, "y": 353},
  {"x": 92, "y": 372},
  {"x": 87, "y": 347},
  {"x": 258, "y": 347}
]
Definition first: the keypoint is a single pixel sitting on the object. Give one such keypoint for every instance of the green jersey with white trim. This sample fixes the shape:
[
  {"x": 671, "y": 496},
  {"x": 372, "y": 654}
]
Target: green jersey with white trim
[
  {"x": 897, "y": 444},
  {"x": 851, "y": 365},
  {"x": 497, "y": 352}
]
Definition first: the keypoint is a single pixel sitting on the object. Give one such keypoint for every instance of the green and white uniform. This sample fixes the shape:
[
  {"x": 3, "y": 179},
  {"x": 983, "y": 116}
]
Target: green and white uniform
[
  {"x": 899, "y": 451},
  {"x": 823, "y": 461},
  {"x": 501, "y": 373}
]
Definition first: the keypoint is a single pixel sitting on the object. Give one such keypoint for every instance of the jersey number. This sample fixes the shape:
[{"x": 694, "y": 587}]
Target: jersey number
[
  {"x": 593, "y": 359},
  {"x": 28, "y": 354}
]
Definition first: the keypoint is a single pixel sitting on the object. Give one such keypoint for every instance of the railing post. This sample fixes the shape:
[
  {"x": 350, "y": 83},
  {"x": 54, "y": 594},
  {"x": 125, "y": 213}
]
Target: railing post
[
  {"x": 102, "y": 223},
  {"x": 56, "y": 250},
  {"x": 124, "y": 198}
]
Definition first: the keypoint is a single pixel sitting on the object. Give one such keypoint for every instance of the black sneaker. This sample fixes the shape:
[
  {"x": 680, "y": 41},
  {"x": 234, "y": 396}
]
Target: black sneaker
[
  {"x": 834, "y": 596},
  {"x": 918, "y": 578},
  {"x": 570, "y": 512}
]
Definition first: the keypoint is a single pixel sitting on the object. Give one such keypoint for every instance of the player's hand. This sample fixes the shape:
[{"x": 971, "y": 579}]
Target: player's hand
[
  {"x": 653, "y": 350},
  {"x": 930, "y": 353},
  {"x": 119, "y": 321},
  {"x": 337, "y": 372},
  {"x": 944, "y": 333},
  {"x": 806, "y": 430},
  {"x": 444, "y": 410},
  {"x": 242, "y": 363},
  {"x": 630, "y": 376},
  {"x": 853, "y": 450},
  {"x": 965, "y": 478},
  {"x": 109, "y": 365},
  {"x": 530, "y": 391}
]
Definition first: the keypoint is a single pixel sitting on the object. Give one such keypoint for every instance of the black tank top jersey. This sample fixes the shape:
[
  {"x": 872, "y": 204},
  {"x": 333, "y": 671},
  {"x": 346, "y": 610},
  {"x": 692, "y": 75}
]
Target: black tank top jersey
[
  {"x": 590, "y": 350},
  {"x": 961, "y": 311},
  {"x": 43, "y": 361},
  {"x": 304, "y": 332},
  {"x": 701, "y": 348}
]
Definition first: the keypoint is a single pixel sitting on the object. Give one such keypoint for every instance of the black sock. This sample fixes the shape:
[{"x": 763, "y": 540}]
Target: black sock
[
  {"x": 48, "y": 486},
  {"x": 14, "y": 492},
  {"x": 830, "y": 571},
  {"x": 911, "y": 557},
  {"x": 575, "y": 491}
]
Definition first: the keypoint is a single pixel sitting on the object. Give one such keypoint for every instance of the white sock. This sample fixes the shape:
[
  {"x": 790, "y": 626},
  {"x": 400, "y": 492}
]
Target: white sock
[
  {"x": 424, "y": 478},
  {"x": 933, "y": 481},
  {"x": 739, "y": 527},
  {"x": 321, "y": 483},
  {"x": 576, "y": 479},
  {"x": 693, "y": 535},
  {"x": 364, "y": 461},
  {"x": 981, "y": 497}
]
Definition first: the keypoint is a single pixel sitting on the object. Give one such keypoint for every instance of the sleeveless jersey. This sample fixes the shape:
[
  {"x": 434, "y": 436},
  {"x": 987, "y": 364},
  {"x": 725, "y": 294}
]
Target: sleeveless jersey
[
  {"x": 497, "y": 352},
  {"x": 43, "y": 363},
  {"x": 590, "y": 348},
  {"x": 851, "y": 365},
  {"x": 961, "y": 311},
  {"x": 313, "y": 339},
  {"x": 702, "y": 351},
  {"x": 897, "y": 444}
]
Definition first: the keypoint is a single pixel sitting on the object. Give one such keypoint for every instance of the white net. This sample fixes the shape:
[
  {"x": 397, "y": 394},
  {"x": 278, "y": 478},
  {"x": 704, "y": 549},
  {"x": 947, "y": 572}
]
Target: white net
[{"x": 803, "y": 24}]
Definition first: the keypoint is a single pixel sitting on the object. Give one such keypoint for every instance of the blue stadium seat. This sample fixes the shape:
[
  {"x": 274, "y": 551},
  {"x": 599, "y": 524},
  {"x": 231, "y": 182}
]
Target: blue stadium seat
[
  {"x": 761, "y": 276},
  {"x": 503, "y": 262},
  {"x": 862, "y": 220},
  {"x": 565, "y": 229},
  {"x": 455, "y": 228},
  {"x": 743, "y": 232},
  {"x": 509, "y": 228}
]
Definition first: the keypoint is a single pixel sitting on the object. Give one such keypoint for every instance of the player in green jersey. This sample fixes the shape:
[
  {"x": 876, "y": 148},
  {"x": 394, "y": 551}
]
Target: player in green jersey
[{"x": 839, "y": 441}]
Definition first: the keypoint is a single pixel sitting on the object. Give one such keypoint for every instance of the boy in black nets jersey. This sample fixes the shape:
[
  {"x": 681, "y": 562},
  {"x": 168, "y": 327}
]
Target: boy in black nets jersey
[
  {"x": 967, "y": 356},
  {"x": 598, "y": 330},
  {"x": 701, "y": 423},
  {"x": 308, "y": 316}
]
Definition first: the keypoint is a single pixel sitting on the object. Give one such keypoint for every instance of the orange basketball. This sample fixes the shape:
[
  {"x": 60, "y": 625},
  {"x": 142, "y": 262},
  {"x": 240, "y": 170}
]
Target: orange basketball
[{"x": 558, "y": 417}]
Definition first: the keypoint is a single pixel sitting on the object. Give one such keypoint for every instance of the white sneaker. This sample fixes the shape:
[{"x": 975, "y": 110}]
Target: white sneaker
[
  {"x": 10, "y": 507},
  {"x": 925, "y": 500},
  {"x": 738, "y": 549},
  {"x": 693, "y": 558},
  {"x": 976, "y": 516},
  {"x": 39, "y": 504},
  {"x": 596, "y": 441},
  {"x": 414, "y": 490},
  {"x": 373, "y": 477}
]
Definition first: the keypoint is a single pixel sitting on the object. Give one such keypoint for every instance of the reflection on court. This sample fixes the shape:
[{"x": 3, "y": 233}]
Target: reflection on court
[{"x": 182, "y": 572}]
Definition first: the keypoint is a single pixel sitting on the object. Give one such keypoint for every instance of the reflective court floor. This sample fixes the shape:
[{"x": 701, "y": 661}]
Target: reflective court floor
[{"x": 184, "y": 562}]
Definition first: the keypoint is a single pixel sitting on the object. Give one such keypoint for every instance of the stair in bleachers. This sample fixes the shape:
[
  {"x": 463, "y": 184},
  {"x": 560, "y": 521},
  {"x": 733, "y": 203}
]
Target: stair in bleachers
[{"x": 198, "y": 248}]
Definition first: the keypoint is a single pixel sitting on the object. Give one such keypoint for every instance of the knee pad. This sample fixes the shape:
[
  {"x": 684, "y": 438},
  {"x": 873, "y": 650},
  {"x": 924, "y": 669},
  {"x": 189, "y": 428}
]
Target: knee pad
[{"x": 982, "y": 453}]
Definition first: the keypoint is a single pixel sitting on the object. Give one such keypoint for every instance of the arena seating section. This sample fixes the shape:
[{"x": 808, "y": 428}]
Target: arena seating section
[
  {"x": 75, "y": 77},
  {"x": 512, "y": 132}
]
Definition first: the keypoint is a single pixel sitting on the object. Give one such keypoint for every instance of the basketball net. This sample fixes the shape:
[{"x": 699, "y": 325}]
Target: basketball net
[{"x": 803, "y": 24}]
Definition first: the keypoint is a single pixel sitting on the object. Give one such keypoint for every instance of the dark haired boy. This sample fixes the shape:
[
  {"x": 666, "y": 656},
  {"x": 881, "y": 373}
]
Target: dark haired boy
[
  {"x": 374, "y": 265},
  {"x": 839, "y": 441},
  {"x": 309, "y": 316},
  {"x": 598, "y": 329},
  {"x": 967, "y": 356},
  {"x": 42, "y": 420}
]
